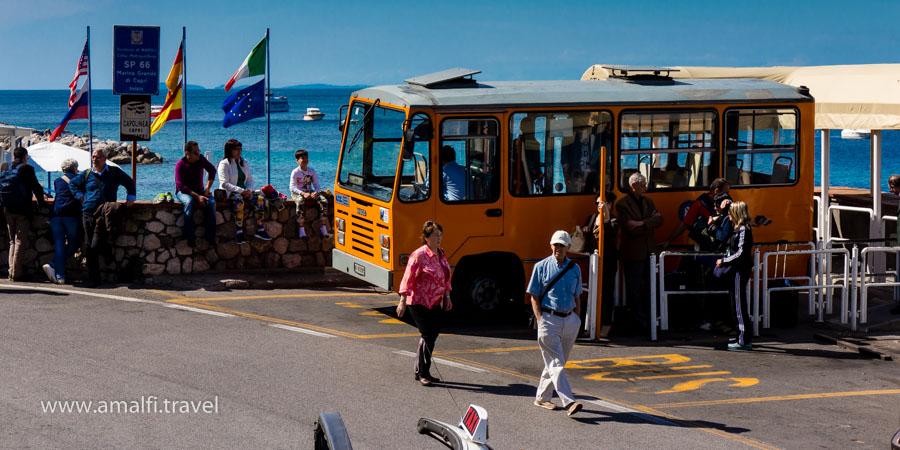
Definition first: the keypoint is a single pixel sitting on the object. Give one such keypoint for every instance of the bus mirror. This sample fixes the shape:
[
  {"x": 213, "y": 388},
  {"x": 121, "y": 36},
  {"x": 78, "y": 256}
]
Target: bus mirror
[
  {"x": 341, "y": 119},
  {"x": 341, "y": 126},
  {"x": 422, "y": 132},
  {"x": 409, "y": 143}
]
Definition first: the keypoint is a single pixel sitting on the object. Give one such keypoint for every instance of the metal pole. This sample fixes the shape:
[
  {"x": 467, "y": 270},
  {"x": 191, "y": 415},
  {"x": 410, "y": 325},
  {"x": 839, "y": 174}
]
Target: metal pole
[
  {"x": 90, "y": 98},
  {"x": 653, "y": 321},
  {"x": 853, "y": 299},
  {"x": 756, "y": 292},
  {"x": 877, "y": 231},
  {"x": 134, "y": 161},
  {"x": 825, "y": 161},
  {"x": 184, "y": 81},
  {"x": 268, "y": 89}
]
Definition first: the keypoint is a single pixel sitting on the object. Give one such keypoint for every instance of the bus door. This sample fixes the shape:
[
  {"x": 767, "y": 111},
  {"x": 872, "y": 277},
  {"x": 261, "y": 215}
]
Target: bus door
[{"x": 469, "y": 203}]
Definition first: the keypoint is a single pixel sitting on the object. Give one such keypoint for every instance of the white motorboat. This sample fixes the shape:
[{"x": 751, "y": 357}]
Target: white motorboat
[
  {"x": 277, "y": 103},
  {"x": 313, "y": 114},
  {"x": 859, "y": 133},
  {"x": 155, "y": 110}
]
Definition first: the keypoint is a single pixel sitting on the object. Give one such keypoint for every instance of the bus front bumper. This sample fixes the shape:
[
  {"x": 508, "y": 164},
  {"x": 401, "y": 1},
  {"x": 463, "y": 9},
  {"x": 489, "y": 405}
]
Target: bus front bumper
[{"x": 364, "y": 270}]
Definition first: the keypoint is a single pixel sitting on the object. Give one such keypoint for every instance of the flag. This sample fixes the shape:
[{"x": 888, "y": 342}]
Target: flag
[
  {"x": 171, "y": 110},
  {"x": 245, "y": 104},
  {"x": 77, "y": 111},
  {"x": 254, "y": 64},
  {"x": 79, "y": 99},
  {"x": 82, "y": 69}
]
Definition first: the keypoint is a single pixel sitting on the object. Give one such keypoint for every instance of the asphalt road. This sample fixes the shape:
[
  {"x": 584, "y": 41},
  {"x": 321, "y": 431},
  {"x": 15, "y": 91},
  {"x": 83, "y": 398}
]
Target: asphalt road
[{"x": 269, "y": 362}]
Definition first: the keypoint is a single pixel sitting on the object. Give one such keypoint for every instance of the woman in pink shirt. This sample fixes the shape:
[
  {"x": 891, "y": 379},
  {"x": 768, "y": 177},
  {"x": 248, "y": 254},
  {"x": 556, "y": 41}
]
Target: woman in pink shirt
[{"x": 425, "y": 289}]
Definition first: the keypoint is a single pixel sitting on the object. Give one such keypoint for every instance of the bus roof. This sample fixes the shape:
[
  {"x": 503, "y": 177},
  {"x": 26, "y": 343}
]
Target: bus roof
[{"x": 584, "y": 93}]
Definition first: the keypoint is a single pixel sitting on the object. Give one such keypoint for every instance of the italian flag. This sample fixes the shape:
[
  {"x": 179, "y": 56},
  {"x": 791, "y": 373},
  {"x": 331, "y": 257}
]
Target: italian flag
[{"x": 254, "y": 64}]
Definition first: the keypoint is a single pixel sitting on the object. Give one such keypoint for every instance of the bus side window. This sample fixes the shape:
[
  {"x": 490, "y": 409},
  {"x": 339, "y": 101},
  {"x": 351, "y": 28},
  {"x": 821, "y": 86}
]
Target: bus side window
[
  {"x": 761, "y": 146},
  {"x": 415, "y": 185},
  {"x": 557, "y": 152},
  {"x": 470, "y": 172}
]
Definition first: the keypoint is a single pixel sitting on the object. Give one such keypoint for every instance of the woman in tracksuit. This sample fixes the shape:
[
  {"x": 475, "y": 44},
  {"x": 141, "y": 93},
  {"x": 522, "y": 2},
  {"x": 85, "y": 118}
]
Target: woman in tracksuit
[{"x": 736, "y": 266}]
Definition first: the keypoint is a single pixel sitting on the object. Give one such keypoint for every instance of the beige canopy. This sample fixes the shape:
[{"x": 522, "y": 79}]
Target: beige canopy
[{"x": 847, "y": 96}]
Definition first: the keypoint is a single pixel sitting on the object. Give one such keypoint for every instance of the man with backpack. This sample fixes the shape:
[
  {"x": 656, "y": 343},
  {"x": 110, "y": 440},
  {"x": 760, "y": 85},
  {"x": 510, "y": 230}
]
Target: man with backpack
[
  {"x": 96, "y": 186},
  {"x": 555, "y": 287},
  {"x": 17, "y": 185}
]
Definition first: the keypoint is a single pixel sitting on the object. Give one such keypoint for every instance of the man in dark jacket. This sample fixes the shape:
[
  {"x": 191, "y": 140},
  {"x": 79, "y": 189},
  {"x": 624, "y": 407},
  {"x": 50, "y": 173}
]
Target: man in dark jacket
[
  {"x": 97, "y": 185},
  {"x": 638, "y": 219},
  {"x": 18, "y": 217}
]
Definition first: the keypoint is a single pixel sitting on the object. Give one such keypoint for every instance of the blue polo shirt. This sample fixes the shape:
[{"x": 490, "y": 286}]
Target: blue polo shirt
[
  {"x": 562, "y": 296},
  {"x": 454, "y": 176}
]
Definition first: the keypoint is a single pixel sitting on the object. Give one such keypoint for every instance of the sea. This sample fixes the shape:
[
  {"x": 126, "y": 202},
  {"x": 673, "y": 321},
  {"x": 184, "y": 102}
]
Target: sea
[{"x": 850, "y": 159}]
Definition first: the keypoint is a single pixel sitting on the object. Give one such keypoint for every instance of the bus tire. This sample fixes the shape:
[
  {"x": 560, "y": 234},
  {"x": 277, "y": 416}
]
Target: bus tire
[{"x": 489, "y": 287}]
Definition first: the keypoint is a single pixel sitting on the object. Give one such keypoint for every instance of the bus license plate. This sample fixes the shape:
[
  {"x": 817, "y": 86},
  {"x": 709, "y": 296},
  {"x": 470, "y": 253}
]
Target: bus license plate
[{"x": 359, "y": 269}]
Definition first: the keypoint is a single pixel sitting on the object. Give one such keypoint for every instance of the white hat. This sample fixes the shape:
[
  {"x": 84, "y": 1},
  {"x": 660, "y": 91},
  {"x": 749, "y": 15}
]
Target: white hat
[{"x": 561, "y": 237}]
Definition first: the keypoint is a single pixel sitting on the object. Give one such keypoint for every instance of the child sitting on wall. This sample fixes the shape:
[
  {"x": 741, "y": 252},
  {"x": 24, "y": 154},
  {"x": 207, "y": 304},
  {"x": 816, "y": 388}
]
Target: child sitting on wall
[{"x": 305, "y": 185}]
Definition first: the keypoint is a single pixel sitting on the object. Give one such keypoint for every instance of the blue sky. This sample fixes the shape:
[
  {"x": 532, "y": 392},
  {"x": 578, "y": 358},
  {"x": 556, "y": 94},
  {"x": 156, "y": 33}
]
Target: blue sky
[{"x": 383, "y": 42}]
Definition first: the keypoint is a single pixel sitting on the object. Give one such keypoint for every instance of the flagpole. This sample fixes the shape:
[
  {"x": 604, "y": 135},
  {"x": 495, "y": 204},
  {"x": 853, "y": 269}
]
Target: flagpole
[
  {"x": 268, "y": 89},
  {"x": 90, "y": 97},
  {"x": 184, "y": 81}
]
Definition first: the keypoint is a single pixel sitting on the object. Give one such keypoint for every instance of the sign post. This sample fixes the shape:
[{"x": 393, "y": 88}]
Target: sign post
[
  {"x": 135, "y": 79},
  {"x": 134, "y": 124}
]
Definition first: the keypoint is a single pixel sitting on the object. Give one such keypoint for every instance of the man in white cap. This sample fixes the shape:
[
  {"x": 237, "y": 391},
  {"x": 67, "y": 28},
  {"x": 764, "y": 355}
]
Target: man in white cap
[{"x": 555, "y": 287}]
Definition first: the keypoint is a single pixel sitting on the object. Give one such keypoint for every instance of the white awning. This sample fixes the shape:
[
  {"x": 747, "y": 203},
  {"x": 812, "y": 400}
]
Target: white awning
[{"x": 847, "y": 96}]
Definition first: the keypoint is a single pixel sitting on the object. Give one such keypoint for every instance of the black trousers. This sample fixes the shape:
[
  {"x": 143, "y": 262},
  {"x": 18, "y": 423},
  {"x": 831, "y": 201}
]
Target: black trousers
[
  {"x": 428, "y": 321},
  {"x": 737, "y": 290},
  {"x": 90, "y": 251}
]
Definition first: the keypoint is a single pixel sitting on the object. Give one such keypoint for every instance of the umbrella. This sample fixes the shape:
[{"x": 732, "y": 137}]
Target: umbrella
[{"x": 50, "y": 155}]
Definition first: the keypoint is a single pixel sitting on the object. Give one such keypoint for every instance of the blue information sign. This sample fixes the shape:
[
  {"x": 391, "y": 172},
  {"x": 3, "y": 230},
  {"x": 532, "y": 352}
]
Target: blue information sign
[{"x": 135, "y": 60}]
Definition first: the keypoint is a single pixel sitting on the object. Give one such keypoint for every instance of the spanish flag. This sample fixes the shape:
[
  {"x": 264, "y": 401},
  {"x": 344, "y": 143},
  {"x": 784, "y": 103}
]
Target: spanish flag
[{"x": 171, "y": 110}]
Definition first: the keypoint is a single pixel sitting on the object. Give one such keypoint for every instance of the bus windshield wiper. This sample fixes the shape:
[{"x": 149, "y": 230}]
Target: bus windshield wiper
[{"x": 362, "y": 127}]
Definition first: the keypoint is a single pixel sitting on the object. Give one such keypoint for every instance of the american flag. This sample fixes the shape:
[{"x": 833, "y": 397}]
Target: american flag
[{"x": 82, "y": 69}]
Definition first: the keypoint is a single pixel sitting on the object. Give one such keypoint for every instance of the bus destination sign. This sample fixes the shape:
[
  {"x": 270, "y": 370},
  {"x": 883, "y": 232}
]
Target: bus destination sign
[{"x": 135, "y": 60}]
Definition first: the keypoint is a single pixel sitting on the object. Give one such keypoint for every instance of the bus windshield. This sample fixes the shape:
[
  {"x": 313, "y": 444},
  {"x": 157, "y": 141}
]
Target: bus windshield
[{"x": 372, "y": 146}]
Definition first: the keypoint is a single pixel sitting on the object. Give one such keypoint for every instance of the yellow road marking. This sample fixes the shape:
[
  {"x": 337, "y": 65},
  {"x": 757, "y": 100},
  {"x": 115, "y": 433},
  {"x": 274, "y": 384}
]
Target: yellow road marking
[
  {"x": 491, "y": 350},
  {"x": 702, "y": 366},
  {"x": 372, "y": 313},
  {"x": 392, "y": 321},
  {"x": 255, "y": 297},
  {"x": 168, "y": 294},
  {"x": 642, "y": 408},
  {"x": 629, "y": 361},
  {"x": 349, "y": 305},
  {"x": 697, "y": 384},
  {"x": 681, "y": 375},
  {"x": 731, "y": 401},
  {"x": 288, "y": 322}
]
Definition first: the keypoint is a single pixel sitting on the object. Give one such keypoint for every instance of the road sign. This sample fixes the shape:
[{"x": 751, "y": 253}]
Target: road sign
[
  {"x": 134, "y": 118},
  {"x": 135, "y": 60}
]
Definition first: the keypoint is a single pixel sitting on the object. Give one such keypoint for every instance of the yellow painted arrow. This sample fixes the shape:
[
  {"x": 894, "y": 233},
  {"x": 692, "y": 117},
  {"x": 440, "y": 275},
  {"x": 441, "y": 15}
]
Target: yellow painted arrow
[{"x": 697, "y": 384}]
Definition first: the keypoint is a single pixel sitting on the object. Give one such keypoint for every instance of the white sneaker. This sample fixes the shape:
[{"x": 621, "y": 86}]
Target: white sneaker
[
  {"x": 50, "y": 272},
  {"x": 60, "y": 280}
]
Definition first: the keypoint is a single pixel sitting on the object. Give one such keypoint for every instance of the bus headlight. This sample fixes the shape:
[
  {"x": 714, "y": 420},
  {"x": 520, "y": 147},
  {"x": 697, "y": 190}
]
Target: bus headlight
[
  {"x": 340, "y": 237},
  {"x": 339, "y": 224},
  {"x": 385, "y": 241},
  {"x": 385, "y": 255}
]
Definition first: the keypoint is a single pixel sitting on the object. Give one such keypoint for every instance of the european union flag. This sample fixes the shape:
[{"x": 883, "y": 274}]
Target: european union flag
[{"x": 246, "y": 104}]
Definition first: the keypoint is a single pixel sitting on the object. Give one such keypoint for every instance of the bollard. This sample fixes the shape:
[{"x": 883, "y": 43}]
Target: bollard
[{"x": 653, "y": 319}]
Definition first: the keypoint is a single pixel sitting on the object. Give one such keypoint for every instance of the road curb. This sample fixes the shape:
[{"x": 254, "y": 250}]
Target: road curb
[{"x": 863, "y": 348}]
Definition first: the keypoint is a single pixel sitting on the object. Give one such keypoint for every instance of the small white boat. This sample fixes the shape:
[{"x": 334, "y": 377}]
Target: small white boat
[
  {"x": 155, "y": 110},
  {"x": 277, "y": 103},
  {"x": 313, "y": 114},
  {"x": 859, "y": 133}
]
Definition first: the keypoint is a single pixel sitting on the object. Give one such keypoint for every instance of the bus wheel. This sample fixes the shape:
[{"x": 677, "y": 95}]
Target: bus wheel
[{"x": 484, "y": 290}]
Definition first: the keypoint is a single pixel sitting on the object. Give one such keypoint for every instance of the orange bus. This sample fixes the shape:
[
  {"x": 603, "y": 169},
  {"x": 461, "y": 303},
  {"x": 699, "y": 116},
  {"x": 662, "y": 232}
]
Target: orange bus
[{"x": 535, "y": 153}]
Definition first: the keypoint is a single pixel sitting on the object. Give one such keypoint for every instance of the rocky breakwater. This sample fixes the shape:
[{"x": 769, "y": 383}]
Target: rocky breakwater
[
  {"x": 152, "y": 243},
  {"x": 118, "y": 152}
]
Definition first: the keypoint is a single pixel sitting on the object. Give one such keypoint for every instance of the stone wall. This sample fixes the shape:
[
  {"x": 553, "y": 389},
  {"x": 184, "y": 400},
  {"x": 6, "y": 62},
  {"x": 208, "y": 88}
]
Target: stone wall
[{"x": 153, "y": 243}]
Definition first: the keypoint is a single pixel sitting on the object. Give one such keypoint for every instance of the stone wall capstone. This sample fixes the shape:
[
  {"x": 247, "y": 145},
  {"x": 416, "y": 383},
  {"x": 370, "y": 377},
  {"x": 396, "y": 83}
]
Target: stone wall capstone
[{"x": 153, "y": 243}]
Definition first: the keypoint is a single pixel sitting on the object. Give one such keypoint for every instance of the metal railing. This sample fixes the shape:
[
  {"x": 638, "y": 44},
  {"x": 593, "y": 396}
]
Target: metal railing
[{"x": 861, "y": 313}]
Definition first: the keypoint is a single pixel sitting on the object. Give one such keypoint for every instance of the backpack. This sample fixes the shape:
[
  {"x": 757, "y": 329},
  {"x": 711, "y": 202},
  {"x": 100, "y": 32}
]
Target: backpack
[{"x": 12, "y": 191}]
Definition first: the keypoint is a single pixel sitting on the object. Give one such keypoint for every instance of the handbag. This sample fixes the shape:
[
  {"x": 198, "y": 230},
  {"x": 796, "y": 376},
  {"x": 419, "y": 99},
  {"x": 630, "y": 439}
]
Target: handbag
[{"x": 578, "y": 241}]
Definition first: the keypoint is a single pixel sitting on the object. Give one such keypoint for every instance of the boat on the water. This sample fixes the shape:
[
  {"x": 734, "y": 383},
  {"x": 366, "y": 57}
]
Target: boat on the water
[
  {"x": 313, "y": 114},
  {"x": 277, "y": 103},
  {"x": 155, "y": 110},
  {"x": 859, "y": 133}
]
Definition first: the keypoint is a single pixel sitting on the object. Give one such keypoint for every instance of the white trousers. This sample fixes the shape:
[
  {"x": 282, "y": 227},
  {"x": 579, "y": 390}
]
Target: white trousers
[{"x": 556, "y": 337}]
